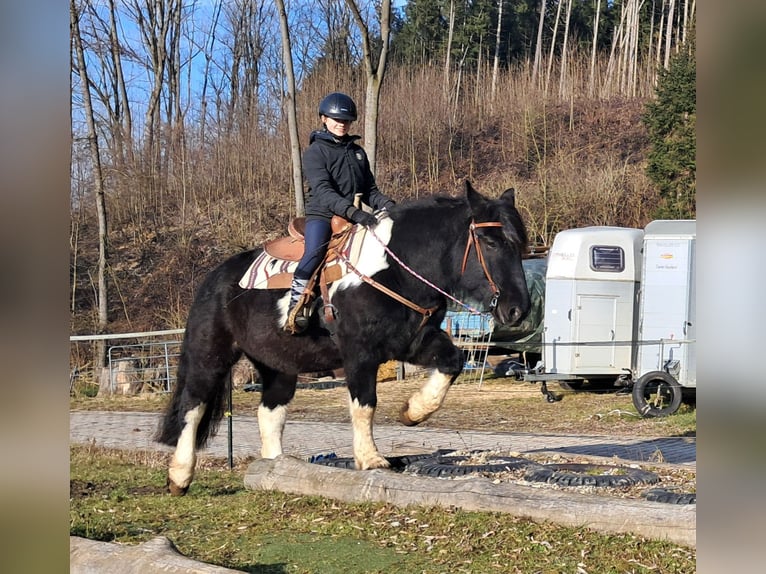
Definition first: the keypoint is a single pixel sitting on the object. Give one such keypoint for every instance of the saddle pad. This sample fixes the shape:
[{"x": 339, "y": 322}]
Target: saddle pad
[{"x": 270, "y": 272}]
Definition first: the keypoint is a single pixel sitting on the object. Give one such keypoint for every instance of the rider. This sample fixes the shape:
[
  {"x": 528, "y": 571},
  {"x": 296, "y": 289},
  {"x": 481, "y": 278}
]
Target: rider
[{"x": 337, "y": 169}]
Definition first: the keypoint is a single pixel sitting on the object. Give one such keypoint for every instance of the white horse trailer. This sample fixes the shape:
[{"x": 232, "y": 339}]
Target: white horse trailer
[
  {"x": 590, "y": 301},
  {"x": 666, "y": 358},
  {"x": 620, "y": 303}
]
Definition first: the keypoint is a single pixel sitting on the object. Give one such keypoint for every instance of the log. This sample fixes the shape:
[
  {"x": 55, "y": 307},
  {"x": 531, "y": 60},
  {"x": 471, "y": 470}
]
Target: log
[
  {"x": 653, "y": 520},
  {"x": 156, "y": 556}
]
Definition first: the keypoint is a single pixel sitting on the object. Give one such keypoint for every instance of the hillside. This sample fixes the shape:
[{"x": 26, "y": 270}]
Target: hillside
[{"x": 578, "y": 164}]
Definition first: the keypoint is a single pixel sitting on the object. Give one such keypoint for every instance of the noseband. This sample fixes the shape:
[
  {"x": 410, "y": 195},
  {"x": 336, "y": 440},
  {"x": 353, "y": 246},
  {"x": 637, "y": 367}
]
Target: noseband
[{"x": 473, "y": 239}]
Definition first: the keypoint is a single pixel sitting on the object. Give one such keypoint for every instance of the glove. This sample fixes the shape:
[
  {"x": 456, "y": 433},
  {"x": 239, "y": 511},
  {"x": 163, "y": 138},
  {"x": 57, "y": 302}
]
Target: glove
[{"x": 361, "y": 217}]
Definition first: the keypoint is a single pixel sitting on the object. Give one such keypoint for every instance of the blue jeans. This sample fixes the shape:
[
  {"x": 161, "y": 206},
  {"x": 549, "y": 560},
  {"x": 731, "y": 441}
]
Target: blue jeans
[{"x": 317, "y": 237}]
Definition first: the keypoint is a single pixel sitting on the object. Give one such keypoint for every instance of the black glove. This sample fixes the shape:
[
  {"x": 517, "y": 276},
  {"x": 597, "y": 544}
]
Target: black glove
[{"x": 361, "y": 217}]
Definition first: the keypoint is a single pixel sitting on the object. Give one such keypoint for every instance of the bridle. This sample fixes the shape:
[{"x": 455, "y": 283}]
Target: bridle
[
  {"x": 473, "y": 239},
  {"x": 427, "y": 312}
]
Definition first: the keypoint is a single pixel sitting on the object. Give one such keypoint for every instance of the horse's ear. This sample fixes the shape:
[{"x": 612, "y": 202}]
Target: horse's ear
[
  {"x": 475, "y": 199},
  {"x": 509, "y": 195}
]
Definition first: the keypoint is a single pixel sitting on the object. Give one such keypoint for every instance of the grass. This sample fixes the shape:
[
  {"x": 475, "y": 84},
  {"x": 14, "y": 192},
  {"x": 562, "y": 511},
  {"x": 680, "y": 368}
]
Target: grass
[{"x": 119, "y": 496}]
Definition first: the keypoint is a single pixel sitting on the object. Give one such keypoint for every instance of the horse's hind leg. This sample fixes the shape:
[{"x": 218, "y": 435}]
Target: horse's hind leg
[
  {"x": 181, "y": 469},
  {"x": 278, "y": 391},
  {"x": 194, "y": 412},
  {"x": 446, "y": 360}
]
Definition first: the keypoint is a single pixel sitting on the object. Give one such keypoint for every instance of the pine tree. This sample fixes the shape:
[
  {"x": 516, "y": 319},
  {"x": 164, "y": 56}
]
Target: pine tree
[{"x": 671, "y": 120}]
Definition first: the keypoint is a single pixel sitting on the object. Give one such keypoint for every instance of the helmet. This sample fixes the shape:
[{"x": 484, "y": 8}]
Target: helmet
[{"x": 338, "y": 107}]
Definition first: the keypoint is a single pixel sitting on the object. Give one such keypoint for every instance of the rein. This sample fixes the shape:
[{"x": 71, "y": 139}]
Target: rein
[{"x": 472, "y": 239}]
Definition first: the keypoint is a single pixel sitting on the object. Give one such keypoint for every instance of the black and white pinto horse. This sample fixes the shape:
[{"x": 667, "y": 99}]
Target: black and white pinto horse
[{"x": 469, "y": 247}]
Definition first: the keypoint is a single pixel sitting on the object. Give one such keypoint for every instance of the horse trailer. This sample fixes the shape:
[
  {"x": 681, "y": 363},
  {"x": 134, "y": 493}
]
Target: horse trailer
[{"x": 620, "y": 303}]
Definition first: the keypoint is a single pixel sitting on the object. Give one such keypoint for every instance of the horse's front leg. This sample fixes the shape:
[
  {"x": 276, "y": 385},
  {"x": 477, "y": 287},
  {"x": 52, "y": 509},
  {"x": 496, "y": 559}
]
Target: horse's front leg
[
  {"x": 363, "y": 399},
  {"x": 439, "y": 353}
]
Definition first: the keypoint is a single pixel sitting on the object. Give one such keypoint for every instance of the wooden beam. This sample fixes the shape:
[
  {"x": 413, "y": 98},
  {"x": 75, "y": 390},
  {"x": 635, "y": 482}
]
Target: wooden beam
[{"x": 652, "y": 520}]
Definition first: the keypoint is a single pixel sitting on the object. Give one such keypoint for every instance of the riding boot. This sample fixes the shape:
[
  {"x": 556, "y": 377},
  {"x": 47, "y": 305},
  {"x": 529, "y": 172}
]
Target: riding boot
[{"x": 297, "y": 318}]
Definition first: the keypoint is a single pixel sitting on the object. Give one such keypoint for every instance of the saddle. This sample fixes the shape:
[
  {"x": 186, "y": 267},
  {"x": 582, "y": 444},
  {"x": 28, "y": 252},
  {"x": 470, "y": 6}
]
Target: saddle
[
  {"x": 291, "y": 248},
  {"x": 274, "y": 267}
]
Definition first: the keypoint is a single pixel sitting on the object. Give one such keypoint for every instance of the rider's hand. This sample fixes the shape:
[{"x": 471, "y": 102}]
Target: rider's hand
[{"x": 361, "y": 217}]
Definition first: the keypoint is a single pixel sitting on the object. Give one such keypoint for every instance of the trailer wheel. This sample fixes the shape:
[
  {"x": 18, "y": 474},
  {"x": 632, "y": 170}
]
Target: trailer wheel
[{"x": 657, "y": 394}]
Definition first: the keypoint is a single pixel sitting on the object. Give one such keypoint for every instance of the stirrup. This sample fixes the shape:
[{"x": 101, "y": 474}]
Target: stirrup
[{"x": 298, "y": 317}]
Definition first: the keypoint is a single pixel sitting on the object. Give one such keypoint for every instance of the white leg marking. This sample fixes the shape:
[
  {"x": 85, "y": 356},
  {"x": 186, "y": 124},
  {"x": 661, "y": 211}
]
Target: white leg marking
[
  {"x": 366, "y": 453},
  {"x": 271, "y": 423},
  {"x": 429, "y": 398},
  {"x": 181, "y": 469}
]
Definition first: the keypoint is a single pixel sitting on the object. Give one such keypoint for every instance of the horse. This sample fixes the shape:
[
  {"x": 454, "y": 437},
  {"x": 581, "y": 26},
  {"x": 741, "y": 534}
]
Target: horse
[{"x": 391, "y": 307}]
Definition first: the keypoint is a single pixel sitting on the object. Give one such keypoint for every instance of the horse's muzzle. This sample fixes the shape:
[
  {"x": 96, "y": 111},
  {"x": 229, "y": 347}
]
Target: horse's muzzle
[{"x": 510, "y": 315}]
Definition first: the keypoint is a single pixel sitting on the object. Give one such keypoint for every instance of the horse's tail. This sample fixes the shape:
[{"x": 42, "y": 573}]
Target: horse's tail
[{"x": 182, "y": 401}]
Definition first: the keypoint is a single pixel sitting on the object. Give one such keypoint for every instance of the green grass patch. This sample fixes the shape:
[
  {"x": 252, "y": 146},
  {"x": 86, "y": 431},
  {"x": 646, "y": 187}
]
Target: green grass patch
[{"x": 120, "y": 496}]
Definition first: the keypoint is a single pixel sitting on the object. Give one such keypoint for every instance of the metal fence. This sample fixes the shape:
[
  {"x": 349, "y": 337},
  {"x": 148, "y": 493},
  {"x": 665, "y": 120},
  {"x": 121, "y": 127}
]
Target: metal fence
[
  {"x": 472, "y": 333},
  {"x": 137, "y": 362},
  {"x": 148, "y": 361}
]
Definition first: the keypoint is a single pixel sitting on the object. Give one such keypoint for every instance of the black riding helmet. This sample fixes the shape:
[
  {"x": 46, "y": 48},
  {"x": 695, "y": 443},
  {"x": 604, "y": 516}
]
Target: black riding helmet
[{"x": 338, "y": 107}]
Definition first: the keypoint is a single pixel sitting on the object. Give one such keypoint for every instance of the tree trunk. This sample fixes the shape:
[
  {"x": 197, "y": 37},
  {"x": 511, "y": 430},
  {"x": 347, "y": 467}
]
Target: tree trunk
[
  {"x": 594, "y": 50},
  {"x": 553, "y": 47},
  {"x": 290, "y": 104},
  {"x": 98, "y": 184},
  {"x": 496, "y": 61},
  {"x": 375, "y": 74},
  {"x": 669, "y": 33},
  {"x": 564, "y": 45},
  {"x": 208, "y": 59},
  {"x": 539, "y": 48},
  {"x": 448, "y": 54}
]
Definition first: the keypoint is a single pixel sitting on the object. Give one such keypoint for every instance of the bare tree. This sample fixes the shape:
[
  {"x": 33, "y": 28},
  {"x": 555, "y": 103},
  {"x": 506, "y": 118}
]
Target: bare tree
[
  {"x": 539, "y": 45},
  {"x": 448, "y": 54},
  {"x": 553, "y": 47},
  {"x": 564, "y": 46},
  {"x": 594, "y": 49},
  {"x": 208, "y": 51},
  {"x": 496, "y": 62},
  {"x": 669, "y": 33},
  {"x": 290, "y": 104},
  {"x": 374, "y": 72},
  {"x": 80, "y": 68}
]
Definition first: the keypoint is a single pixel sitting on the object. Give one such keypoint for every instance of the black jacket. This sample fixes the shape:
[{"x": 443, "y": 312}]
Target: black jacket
[{"x": 336, "y": 169}]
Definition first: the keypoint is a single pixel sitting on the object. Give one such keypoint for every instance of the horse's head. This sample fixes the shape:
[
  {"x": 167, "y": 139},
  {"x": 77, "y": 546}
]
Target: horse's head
[{"x": 493, "y": 275}]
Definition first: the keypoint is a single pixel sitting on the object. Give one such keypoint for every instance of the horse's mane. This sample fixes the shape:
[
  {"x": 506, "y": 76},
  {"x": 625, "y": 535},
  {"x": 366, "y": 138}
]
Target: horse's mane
[{"x": 421, "y": 209}]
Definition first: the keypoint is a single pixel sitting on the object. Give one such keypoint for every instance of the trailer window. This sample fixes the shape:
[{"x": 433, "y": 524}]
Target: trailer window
[{"x": 607, "y": 258}]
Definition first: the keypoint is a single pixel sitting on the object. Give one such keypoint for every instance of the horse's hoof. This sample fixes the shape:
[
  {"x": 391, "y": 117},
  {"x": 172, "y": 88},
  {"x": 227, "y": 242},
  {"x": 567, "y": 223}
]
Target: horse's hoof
[
  {"x": 376, "y": 462},
  {"x": 404, "y": 416},
  {"x": 176, "y": 490}
]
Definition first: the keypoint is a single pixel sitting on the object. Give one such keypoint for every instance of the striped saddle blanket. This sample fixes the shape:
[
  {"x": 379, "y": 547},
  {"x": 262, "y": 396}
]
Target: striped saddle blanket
[{"x": 273, "y": 268}]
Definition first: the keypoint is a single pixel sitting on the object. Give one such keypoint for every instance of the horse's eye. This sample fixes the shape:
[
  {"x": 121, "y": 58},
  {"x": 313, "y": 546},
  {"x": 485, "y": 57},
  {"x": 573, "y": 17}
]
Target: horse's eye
[{"x": 491, "y": 243}]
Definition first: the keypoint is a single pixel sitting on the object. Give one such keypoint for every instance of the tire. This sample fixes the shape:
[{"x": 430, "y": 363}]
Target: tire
[
  {"x": 669, "y": 497},
  {"x": 446, "y": 465},
  {"x": 397, "y": 462},
  {"x": 583, "y": 475},
  {"x": 656, "y": 394}
]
